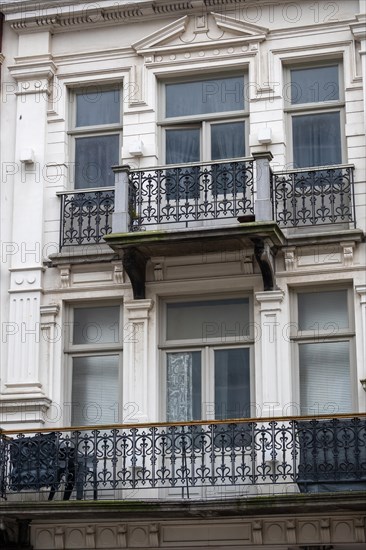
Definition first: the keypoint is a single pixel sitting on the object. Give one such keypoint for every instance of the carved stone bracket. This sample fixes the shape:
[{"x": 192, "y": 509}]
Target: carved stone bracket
[
  {"x": 264, "y": 254},
  {"x": 14, "y": 534},
  {"x": 134, "y": 263}
]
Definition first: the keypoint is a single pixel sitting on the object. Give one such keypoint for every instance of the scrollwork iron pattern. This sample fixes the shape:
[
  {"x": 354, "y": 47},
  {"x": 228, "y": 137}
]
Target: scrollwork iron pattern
[
  {"x": 100, "y": 462},
  {"x": 86, "y": 217},
  {"x": 186, "y": 194},
  {"x": 314, "y": 197}
]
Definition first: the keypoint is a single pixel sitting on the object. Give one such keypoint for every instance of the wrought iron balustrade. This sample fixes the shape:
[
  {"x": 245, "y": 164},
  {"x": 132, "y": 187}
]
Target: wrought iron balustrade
[
  {"x": 119, "y": 462},
  {"x": 189, "y": 193},
  {"x": 86, "y": 216},
  {"x": 314, "y": 196}
]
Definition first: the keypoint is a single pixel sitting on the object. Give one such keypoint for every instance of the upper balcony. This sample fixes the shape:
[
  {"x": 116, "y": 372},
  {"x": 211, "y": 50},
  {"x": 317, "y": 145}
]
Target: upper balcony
[
  {"x": 208, "y": 207},
  {"x": 209, "y": 195}
]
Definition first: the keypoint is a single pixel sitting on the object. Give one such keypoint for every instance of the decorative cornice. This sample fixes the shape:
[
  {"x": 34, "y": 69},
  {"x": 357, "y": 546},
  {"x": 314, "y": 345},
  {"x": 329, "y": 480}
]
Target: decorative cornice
[
  {"x": 247, "y": 29},
  {"x": 33, "y": 70},
  {"x": 161, "y": 35},
  {"x": 30, "y": 16},
  {"x": 171, "y": 38},
  {"x": 358, "y": 29}
]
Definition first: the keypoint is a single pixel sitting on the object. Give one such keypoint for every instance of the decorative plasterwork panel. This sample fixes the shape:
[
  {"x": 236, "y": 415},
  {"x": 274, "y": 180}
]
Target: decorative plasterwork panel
[{"x": 246, "y": 532}]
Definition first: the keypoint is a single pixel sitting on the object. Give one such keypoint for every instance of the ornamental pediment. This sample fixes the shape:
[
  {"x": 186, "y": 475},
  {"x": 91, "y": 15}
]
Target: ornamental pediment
[{"x": 200, "y": 31}]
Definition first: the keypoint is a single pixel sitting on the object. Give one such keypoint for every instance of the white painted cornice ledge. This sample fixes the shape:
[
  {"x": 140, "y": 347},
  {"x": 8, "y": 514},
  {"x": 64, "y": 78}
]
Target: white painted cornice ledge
[{"x": 30, "y": 15}]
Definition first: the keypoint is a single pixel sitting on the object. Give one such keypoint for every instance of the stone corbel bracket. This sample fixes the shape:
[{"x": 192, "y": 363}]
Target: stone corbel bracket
[
  {"x": 265, "y": 255},
  {"x": 134, "y": 263}
]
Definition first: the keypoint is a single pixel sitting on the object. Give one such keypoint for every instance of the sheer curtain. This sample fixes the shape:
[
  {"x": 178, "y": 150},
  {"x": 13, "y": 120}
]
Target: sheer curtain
[
  {"x": 227, "y": 140},
  {"x": 182, "y": 146},
  {"x": 317, "y": 140}
]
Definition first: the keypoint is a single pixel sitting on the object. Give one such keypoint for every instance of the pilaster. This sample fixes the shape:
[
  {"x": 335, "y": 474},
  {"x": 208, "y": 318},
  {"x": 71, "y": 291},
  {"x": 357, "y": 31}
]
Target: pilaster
[
  {"x": 271, "y": 380},
  {"x": 361, "y": 348},
  {"x": 28, "y": 173},
  {"x": 138, "y": 363}
]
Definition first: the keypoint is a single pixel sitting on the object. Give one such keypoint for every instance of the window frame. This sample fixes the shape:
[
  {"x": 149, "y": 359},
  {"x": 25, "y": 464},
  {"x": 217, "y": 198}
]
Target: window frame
[
  {"x": 207, "y": 350},
  {"x": 94, "y": 130},
  {"x": 298, "y": 337},
  {"x": 72, "y": 350},
  {"x": 298, "y": 109},
  {"x": 205, "y": 120}
]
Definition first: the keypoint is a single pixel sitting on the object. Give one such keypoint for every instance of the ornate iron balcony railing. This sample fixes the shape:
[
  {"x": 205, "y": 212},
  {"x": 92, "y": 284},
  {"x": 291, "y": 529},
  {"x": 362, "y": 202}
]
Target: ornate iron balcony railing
[
  {"x": 185, "y": 195},
  {"x": 191, "y": 460},
  {"x": 86, "y": 216},
  {"x": 314, "y": 196},
  {"x": 189, "y": 193}
]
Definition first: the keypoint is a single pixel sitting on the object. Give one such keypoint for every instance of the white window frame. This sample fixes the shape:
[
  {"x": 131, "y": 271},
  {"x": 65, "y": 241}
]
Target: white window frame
[
  {"x": 298, "y": 109},
  {"x": 204, "y": 120},
  {"x": 298, "y": 337},
  {"x": 72, "y": 351},
  {"x": 207, "y": 350},
  {"x": 94, "y": 130}
]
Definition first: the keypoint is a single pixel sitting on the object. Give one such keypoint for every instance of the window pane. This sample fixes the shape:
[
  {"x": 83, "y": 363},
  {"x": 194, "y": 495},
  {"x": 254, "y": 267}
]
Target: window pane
[
  {"x": 209, "y": 319},
  {"x": 323, "y": 310},
  {"x": 206, "y": 96},
  {"x": 95, "y": 390},
  {"x": 232, "y": 384},
  {"x": 315, "y": 84},
  {"x": 183, "y": 386},
  {"x": 325, "y": 385},
  {"x": 227, "y": 140},
  {"x": 95, "y": 107},
  {"x": 94, "y": 158},
  {"x": 182, "y": 146},
  {"x": 317, "y": 139},
  {"x": 96, "y": 325}
]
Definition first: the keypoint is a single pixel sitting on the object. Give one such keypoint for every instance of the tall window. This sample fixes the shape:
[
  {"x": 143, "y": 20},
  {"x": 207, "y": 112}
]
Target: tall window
[
  {"x": 96, "y": 130},
  {"x": 205, "y": 119},
  {"x": 324, "y": 352},
  {"x": 207, "y": 359},
  {"x": 315, "y": 105},
  {"x": 94, "y": 349}
]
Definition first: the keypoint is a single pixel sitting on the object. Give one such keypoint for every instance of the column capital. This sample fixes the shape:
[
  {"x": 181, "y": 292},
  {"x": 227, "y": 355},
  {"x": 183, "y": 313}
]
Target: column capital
[
  {"x": 262, "y": 155},
  {"x": 361, "y": 290},
  {"x": 270, "y": 297},
  {"x": 139, "y": 309},
  {"x": 358, "y": 29}
]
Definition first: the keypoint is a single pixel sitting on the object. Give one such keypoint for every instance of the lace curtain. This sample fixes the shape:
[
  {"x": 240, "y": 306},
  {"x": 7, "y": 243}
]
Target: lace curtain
[{"x": 179, "y": 387}]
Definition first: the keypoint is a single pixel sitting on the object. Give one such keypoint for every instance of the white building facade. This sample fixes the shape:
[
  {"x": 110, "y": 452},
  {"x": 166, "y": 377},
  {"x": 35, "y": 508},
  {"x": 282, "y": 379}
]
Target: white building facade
[{"x": 231, "y": 283}]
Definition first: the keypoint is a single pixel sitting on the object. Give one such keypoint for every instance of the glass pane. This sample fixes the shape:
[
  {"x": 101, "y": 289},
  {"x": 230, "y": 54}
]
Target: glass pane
[
  {"x": 206, "y": 96},
  {"x": 317, "y": 139},
  {"x": 227, "y": 140},
  {"x": 182, "y": 146},
  {"x": 95, "y": 390},
  {"x": 95, "y": 107},
  {"x": 323, "y": 310},
  {"x": 209, "y": 319},
  {"x": 183, "y": 386},
  {"x": 232, "y": 384},
  {"x": 94, "y": 158},
  {"x": 315, "y": 84},
  {"x": 96, "y": 325},
  {"x": 325, "y": 384}
]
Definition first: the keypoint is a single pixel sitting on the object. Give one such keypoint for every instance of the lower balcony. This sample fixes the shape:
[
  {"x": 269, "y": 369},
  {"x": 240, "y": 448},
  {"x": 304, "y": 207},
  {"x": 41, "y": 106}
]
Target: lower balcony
[
  {"x": 204, "y": 195},
  {"x": 197, "y": 460}
]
